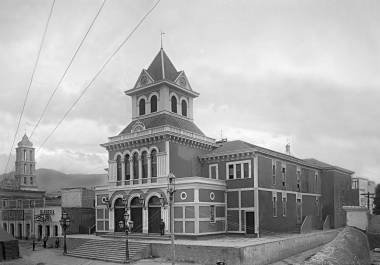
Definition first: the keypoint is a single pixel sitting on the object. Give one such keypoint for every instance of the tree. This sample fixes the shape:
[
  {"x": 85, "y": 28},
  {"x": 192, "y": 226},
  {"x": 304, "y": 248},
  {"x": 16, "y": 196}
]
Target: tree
[{"x": 376, "y": 201}]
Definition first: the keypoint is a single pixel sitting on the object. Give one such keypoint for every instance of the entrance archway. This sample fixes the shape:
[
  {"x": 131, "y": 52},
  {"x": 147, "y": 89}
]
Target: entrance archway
[
  {"x": 119, "y": 214},
  {"x": 136, "y": 215},
  {"x": 154, "y": 215},
  {"x": 19, "y": 231},
  {"x": 47, "y": 231},
  {"x": 39, "y": 232},
  {"x": 12, "y": 230}
]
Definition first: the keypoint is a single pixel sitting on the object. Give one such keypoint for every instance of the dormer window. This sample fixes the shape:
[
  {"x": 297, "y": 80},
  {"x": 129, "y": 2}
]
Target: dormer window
[
  {"x": 184, "y": 108},
  {"x": 142, "y": 107},
  {"x": 174, "y": 104},
  {"x": 153, "y": 103}
]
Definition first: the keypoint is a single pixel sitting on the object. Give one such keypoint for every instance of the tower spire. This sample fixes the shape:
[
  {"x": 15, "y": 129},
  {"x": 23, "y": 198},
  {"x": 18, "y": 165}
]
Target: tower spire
[{"x": 162, "y": 35}]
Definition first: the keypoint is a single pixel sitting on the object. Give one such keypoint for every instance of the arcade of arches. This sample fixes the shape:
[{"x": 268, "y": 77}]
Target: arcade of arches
[{"x": 146, "y": 217}]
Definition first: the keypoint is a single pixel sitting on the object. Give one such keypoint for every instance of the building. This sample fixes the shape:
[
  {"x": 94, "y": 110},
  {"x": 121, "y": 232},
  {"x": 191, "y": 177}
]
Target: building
[
  {"x": 26, "y": 211},
  {"x": 78, "y": 203},
  {"x": 363, "y": 186},
  {"x": 221, "y": 187},
  {"x": 336, "y": 192},
  {"x": 19, "y": 193}
]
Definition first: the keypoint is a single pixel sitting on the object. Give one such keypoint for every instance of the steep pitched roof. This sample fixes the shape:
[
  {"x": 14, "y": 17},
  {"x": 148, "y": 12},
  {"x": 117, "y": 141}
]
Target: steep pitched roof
[
  {"x": 164, "y": 119},
  {"x": 25, "y": 141},
  {"x": 162, "y": 68}
]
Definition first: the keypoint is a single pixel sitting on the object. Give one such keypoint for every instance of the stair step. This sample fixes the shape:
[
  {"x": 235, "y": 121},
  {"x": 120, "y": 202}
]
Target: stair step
[{"x": 108, "y": 250}]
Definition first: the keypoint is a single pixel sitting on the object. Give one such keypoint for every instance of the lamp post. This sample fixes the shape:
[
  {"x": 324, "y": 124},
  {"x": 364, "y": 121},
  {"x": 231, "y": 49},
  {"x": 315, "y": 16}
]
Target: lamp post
[
  {"x": 171, "y": 191},
  {"x": 125, "y": 224},
  {"x": 65, "y": 223}
]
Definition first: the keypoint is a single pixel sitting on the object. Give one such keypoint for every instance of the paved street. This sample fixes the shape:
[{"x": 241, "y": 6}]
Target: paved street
[{"x": 55, "y": 257}]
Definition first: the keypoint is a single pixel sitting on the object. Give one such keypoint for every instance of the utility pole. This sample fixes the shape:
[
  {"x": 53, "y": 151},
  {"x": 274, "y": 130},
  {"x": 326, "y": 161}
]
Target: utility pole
[{"x": 369, "y": 196}]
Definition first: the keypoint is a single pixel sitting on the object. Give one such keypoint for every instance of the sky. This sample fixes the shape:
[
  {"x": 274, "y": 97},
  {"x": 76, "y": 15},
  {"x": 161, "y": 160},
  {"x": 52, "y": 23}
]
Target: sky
[{"x": 268, "y": 72}]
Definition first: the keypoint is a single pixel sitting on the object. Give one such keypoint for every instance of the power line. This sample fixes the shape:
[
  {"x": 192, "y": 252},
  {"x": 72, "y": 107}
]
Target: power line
[
  {"x": 67, "y": 68},
  {"x": 30, "y": 83},
  {"x": 99, "y": 72}
]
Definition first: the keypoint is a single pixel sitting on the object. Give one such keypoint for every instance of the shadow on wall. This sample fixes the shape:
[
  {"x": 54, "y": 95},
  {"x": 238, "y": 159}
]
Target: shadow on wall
[{"x": 349, "y": 247}]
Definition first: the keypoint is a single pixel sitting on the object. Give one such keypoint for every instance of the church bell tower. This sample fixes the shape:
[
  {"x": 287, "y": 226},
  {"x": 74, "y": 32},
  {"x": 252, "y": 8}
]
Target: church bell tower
[{"x": 25, "y": 166}]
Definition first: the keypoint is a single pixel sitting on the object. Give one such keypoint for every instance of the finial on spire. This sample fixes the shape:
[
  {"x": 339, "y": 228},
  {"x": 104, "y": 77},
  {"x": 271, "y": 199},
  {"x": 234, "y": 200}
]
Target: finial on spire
[{"x": 162, "y": 35}]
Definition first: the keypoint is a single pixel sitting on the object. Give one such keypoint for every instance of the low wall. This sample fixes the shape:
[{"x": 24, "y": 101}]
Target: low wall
[
  {"x": 265, "y": 253},
  {"x": 374, "y": 224},
  {"x": 349, "y": 247}
]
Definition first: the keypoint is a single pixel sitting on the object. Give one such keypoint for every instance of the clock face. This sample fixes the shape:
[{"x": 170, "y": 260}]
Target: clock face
[
  {"x": 182, "y": 81},
  {"x": 144, "y": 80}
]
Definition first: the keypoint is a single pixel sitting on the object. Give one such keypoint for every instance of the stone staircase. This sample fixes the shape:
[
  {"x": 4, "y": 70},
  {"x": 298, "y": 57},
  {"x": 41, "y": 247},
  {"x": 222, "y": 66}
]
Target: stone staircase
[
  {"x": 136, "y": 236},
  {"x": 110, "y": 250}
]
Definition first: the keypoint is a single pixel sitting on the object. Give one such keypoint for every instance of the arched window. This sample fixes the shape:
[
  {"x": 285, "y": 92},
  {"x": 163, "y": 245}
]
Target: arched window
[
  {"x": 174, "y": 104},
  {"x": 142, "y": 106},
  {"x": 127, "y": 169},
  {"x": 135, "y": 168},
  {"x": 153, "y": 103},
  {"x": 184, "y": 108},
  {"x": 144, "y": 161},
  {"x": 153, "y": 165},
  {"x": 118, "y": 170}
]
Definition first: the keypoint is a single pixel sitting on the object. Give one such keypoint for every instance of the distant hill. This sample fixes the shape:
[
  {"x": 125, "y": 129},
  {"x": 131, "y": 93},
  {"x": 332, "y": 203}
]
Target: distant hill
[{"x": 53, "y": 180}]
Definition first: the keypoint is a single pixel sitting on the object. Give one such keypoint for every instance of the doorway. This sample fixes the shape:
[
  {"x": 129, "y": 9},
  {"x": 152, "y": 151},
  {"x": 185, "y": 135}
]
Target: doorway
[
  {"x": 154, "y": 215},
  {"x": 39, "y": 232},
  {"x": 13, "y": 230},
  {"x": 119, "y": 214},
  {"x": 19, "y": 231},
  {"x": 136, "y": 215},
  {"x": 250, "y": 223}
]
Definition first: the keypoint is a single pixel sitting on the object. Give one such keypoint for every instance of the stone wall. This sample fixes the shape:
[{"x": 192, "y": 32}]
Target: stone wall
[{"x": 349, "y": 247}]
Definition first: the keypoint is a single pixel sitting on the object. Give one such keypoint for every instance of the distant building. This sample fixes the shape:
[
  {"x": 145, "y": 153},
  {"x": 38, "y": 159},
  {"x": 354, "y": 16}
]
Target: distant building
[
  {"x": 19, "y": 192},
  {"x": 27, "y": 211},
  {"x": 363, "y": 186},
  {"x": 221, "y": 187}
]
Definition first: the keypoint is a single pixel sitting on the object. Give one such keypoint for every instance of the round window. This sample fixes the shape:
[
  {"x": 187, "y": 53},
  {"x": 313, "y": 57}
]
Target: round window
[
  {"x": 212, "y": 196},
  {"x": 183, "y": 195}
]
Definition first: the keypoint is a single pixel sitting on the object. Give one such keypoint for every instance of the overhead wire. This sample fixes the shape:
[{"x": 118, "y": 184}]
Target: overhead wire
[
  {"x": 30, "y": 83},
  {"x": 67, "y": 68},
  {"x": 99, "y": 72}
]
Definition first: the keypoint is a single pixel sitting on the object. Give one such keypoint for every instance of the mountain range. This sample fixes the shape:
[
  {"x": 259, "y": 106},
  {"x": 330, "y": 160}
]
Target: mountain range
[{"x": 53, "y": 180}]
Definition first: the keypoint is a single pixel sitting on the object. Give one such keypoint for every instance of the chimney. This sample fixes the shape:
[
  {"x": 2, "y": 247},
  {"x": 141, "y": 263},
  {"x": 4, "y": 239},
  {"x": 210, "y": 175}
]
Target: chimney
[{"x": 287, "y": 149}]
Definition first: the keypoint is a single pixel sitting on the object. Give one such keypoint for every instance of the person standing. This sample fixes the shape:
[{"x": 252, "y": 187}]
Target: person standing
[{"x": 162, "y": 227}]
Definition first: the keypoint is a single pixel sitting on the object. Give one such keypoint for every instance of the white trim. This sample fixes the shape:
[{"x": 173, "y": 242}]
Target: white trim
[
  {"x": 292, "y": 192},
  {"x": 216, "y": 171},
  {"x": 241, "y": 162},
  {"x": 184, "y": 197},
  {"x": 212, "y": 196}
]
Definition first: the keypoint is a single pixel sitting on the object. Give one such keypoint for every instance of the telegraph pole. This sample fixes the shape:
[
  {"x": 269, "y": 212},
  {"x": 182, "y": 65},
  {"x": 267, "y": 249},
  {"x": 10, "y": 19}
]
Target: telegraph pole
[{"x": 369, "y": 196}]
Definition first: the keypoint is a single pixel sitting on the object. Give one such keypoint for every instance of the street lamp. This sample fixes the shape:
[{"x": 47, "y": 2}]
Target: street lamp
[
  {"x": 65, "y": 223},
  {"x": 171, "y": 191},
  {"x": 127, "y": 226}
]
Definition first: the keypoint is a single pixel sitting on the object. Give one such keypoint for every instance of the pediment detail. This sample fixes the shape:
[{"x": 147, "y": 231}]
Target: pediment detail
[
  {"x": 182, "y": 81},
  {"x": 138, "y": 126},
  {"x": 144, "y": 79}
]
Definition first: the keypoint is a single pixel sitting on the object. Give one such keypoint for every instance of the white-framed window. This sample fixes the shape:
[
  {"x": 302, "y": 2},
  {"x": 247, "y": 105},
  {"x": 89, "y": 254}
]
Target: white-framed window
[
  {"x": 273, "y": 172},
  {"x": 284, "y": 204},
  {"x": 298, "y": 179},
  {"x": 238, "y": 169},
  {"x": 4, "y": 203},
  {"x": 355, "y": 184},
  {"x": 274, "y": 201},
  {"x": 212, "y": 214},
  {"x": 283, "y": 174},
  {"x": 24, "y": 180},
  {"x": 19, "y": 203},
  {"x": 213, "y": 171},
  {"x": 316, "y": 181}
]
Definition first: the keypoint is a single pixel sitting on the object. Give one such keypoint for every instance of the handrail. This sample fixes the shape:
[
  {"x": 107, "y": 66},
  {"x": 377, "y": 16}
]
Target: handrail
[{"x": 90, "y": 228}]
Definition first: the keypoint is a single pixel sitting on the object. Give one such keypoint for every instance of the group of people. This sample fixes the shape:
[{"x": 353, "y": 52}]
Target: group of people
[{"x": 44, "y": 240}]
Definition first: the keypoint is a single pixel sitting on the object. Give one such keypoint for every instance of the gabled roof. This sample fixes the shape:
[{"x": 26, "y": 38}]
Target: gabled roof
[
  {"x": 162, "y": 68},
  {"x": 162, "y": 120}
]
